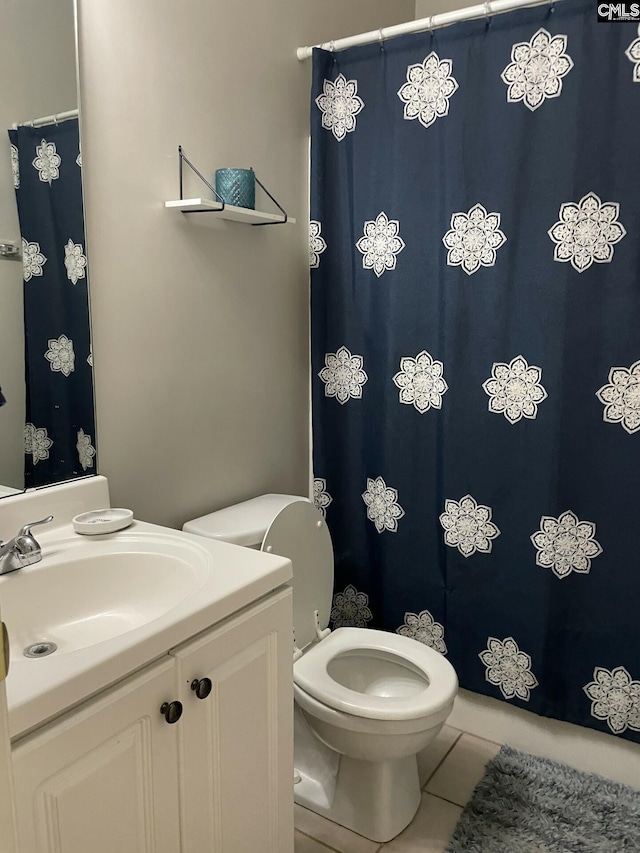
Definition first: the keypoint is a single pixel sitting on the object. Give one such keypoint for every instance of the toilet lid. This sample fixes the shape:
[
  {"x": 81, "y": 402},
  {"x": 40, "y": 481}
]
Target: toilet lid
[
  {"x": 311, "y": 675},
  {"x": 300, "y": 533}
]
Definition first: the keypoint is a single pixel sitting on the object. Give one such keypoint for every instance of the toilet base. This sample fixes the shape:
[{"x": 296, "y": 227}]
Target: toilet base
[{"x": 377, "y": 800}]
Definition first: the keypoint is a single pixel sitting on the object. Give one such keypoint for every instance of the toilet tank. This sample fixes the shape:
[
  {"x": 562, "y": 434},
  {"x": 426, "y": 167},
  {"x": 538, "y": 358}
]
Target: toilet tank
[{"x": 241, "y": 524}]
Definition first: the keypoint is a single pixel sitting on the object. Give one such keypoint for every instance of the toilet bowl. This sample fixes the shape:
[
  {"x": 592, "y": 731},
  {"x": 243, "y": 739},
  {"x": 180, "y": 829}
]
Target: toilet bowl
[
  {"x": 373, "y": 695},
  {"x": 367, "y": 701}
]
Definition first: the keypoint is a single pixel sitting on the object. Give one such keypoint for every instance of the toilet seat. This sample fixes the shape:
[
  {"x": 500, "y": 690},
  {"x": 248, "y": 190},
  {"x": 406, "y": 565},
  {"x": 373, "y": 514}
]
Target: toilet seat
[{"x": 310, "y": 673}]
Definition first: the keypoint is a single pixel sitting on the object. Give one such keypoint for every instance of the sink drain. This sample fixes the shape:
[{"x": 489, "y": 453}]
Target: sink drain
[{"x": 40, "y": 650}]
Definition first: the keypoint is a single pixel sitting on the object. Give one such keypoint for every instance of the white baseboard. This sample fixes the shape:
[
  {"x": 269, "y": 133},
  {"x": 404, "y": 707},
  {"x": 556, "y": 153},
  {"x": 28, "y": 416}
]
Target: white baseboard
[{"x": 583, "y": 748}]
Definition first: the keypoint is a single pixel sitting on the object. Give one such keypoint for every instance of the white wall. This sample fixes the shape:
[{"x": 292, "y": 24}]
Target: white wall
[
  {"x": 425, "y": 8},
  {"x": 38, "y": 74},
  {"x": 200, "y": 326}
]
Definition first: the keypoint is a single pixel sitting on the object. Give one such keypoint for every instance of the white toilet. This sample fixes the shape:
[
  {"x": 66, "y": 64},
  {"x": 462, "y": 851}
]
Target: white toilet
[{"x": 367, "y": 701}]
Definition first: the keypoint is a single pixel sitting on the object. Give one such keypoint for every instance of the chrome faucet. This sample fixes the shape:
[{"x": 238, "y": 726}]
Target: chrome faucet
[{"x": 22, "y": 550}]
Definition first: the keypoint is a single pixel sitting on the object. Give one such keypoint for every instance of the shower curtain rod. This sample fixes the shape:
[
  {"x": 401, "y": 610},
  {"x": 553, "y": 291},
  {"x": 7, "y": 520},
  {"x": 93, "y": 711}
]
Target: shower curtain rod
[
  {"x": 54, "y": 119},
  {"x": 484, "y": 10}
]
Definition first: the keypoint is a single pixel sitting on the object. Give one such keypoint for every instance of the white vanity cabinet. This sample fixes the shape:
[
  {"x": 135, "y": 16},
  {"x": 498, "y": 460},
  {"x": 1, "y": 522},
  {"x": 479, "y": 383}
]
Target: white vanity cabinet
[
  {"x": 114, "y": 775},
  {"x": 236, "y": 752}
]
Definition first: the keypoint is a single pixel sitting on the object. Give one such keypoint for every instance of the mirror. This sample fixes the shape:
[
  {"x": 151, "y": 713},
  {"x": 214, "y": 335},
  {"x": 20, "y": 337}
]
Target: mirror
[{"x": 47, "y": 421}]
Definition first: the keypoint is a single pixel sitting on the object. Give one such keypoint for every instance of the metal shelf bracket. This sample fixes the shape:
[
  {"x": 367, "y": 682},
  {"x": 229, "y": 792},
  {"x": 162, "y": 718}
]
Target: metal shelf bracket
[{"x": 183, "y": 159}]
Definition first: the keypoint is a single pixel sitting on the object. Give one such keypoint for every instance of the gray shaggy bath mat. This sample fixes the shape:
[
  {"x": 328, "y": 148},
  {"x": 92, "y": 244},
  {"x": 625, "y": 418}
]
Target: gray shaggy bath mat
[{"x": 526, "y": 804}]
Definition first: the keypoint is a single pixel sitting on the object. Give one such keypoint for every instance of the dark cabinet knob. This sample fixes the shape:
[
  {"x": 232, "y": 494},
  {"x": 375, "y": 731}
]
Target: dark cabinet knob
[
  {"x": 201, "y": 687},
  {"x": 172, "y": 711}
]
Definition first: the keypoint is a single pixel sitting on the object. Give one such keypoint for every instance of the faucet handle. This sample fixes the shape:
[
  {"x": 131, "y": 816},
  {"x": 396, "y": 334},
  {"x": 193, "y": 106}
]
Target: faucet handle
[{"x": 26, "y": 530}]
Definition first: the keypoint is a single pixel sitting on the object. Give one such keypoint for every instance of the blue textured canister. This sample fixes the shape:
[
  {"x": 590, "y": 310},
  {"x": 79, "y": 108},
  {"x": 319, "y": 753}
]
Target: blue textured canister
[{"x": 237, "y": 187}]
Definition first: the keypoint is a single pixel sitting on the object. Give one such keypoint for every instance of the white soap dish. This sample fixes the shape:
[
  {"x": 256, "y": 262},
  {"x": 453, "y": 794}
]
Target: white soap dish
[{"x": 102, "y": 521}]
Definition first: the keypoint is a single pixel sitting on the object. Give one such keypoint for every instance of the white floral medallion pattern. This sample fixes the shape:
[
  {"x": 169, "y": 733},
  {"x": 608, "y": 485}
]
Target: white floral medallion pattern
[
  {"x": 36, "y": 442},
  {"x": 633, "y": 55},
  {"x": 61, "y": 355},
  {"x": 86, "y": 451},
  {"x": 514, "y": 389},
  {"x": 47, "y": 162},
  {"x": 473, "y": 239},
  {"x": 350, "y": 609},
  {"x": 321, "y": 497},
  {"x": 343, "y": 375},
  {"x": 615, "y": 697},
  {"x": 380, "y": 244},
  {"x": 468, "y": 527},
  {"x": 423, "y": 628},
  {"x": 536, "y": 69},
  {"x": 15, "y": 167},
  {"x": 317, "y": 243},
  {"x": 339, "y": 104},
  {"x": 75, "y": 261},
  {"x": 421, "y": 382},
  {"x": 508, "y": 668},
  {"x": 586, "y": 232},
  {"x": 621, "y": 397},
  {"x": 565, "y": 544},
  {"x": 32, "y": 260},
  {"x": 382, "y": 505},
  {"x": 428, "y": 89}
]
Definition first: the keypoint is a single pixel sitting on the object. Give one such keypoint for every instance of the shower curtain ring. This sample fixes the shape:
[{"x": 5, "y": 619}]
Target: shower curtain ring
[
  {"x": 332, "y": 46},
  {"x": 430, "y": 25},
  {"x": 381, "y": 39},
  {"x": 487, "y": 12},
  {"x": 552, "y": 6}
]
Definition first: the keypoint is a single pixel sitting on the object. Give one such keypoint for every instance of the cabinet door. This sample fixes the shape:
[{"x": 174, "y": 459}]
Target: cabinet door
[
  {"x": 103, "y": 778},
  {"x": 236, "y": 753}
]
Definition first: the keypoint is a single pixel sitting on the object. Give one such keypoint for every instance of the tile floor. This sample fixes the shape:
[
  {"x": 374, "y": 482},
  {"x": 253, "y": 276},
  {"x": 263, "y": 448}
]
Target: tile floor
[{"x": 450, "y": 768}]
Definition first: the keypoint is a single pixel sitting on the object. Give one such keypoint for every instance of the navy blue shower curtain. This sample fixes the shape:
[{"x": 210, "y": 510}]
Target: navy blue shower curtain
[
  {"x": 60, "y": 425},
  {"x": 475, "y": 257}
]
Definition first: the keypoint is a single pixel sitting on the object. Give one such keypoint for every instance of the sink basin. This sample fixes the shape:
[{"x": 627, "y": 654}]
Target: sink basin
[{"x": 84, "y": 591}]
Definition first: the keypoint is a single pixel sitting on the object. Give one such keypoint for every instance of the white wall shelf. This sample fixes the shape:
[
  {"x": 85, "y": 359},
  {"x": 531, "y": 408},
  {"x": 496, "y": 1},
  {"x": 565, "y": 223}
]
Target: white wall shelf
[{"x": 226, "y": 211}]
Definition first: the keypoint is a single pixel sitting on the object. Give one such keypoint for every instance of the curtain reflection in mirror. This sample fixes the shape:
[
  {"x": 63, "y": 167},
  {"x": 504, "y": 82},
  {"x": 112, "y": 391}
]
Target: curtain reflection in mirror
[{"x": 60, "y": 421}]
